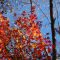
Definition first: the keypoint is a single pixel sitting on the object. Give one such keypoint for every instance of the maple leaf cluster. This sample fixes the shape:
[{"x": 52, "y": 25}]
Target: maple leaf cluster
[{"x": 23, "y": 42}]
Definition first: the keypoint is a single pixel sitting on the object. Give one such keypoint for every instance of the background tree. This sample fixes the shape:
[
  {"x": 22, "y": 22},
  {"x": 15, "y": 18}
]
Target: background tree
[{"x": 42, "y": 11}]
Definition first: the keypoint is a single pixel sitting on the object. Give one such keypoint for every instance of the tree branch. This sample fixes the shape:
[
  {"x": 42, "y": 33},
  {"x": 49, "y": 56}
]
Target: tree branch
[
  {"x": 53, "y": 30},
  {"x": 31, "y": 5}
]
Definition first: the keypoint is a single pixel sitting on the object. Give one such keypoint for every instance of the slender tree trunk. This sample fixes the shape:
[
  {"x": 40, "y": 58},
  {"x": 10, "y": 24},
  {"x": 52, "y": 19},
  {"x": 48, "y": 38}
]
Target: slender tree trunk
[{"x": 53, "y": 30}]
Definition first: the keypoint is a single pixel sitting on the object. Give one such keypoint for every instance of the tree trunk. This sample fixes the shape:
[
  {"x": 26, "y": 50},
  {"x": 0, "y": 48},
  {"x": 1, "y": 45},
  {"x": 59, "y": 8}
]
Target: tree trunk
[{"x": 53, "y": 30}]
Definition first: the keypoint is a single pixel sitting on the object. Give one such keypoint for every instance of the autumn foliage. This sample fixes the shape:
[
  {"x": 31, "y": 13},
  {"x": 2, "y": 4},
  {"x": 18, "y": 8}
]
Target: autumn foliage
[{"x": 24, "y": 42}]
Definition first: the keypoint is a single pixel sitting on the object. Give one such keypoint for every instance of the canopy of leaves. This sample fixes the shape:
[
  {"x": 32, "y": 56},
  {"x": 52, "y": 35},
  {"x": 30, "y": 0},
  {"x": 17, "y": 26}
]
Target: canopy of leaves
[{"x": 22, "y": 42}]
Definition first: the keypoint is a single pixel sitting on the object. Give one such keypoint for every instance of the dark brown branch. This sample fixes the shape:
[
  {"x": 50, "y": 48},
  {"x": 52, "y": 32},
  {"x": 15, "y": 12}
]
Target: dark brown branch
[
  {"x": 31, "y": 5},
  {"x": 53, "y": 30}
]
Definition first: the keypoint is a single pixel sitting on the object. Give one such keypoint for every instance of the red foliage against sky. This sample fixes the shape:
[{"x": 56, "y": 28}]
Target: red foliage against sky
[{"x": 29, "y": 42}]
